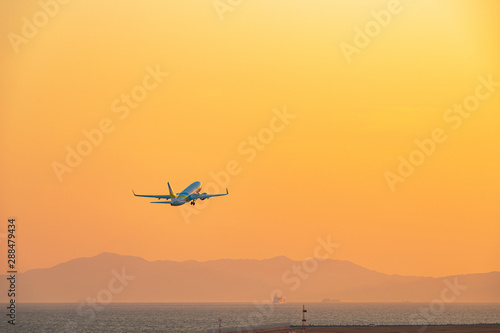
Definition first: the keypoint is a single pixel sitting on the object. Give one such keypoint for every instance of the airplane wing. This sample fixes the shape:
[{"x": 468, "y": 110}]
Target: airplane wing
[
  {"x": 206, "y": 196},
  {"x": 163, "y": 202},
  {"x": 159, "y": 196}
]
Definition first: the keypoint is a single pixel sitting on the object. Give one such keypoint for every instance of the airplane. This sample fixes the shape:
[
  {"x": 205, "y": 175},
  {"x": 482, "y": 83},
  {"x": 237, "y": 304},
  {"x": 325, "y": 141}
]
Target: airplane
[{"x": 190, "y": 194}]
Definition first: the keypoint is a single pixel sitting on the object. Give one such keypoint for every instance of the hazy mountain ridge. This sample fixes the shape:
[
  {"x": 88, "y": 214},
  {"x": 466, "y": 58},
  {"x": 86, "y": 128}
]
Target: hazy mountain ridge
[{"x": 134, "y": 279}]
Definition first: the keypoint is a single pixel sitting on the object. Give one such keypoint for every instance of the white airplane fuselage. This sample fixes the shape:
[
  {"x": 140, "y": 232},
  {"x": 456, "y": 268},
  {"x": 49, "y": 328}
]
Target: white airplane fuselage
[{"x": 183, "y": 196}]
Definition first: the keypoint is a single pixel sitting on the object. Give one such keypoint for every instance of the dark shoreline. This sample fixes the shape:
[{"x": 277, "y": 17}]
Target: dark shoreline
[
  {"x": 398, "y": 325},
  {"x": 448, "y": 328}
]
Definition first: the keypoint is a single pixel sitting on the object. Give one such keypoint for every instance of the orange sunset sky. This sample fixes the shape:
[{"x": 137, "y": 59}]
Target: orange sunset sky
[{"x": 323, "y": 170}]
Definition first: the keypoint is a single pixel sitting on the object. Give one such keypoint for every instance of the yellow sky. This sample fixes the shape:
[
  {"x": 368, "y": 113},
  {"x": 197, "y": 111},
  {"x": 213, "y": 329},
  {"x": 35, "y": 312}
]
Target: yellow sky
[{"x": 321, "y": 169}]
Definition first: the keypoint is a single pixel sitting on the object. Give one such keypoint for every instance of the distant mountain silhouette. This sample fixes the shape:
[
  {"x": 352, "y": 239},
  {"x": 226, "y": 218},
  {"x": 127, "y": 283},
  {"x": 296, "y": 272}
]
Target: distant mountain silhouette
[{"x": 108, "y": 277}]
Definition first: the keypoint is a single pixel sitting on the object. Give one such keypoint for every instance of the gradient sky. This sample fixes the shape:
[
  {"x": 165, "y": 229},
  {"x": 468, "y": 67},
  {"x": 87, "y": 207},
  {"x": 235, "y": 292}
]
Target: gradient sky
[{"x": 322, "y": 174}]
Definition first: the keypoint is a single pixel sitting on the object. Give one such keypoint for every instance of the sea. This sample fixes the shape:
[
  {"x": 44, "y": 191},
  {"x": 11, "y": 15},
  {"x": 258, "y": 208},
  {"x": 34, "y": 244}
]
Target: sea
[{"x": 204, "y": 317}]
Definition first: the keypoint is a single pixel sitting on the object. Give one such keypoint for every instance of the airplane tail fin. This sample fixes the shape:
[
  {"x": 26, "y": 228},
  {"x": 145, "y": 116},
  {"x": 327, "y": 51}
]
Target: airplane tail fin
[{"x": 172, "y": 195}]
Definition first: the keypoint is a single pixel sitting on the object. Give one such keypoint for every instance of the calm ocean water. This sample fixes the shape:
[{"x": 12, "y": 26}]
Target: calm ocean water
[{"x": 200, "y": 317}]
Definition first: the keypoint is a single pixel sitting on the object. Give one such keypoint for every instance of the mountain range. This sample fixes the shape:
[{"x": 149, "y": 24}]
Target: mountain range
[{"x": 111, "y": 277}]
